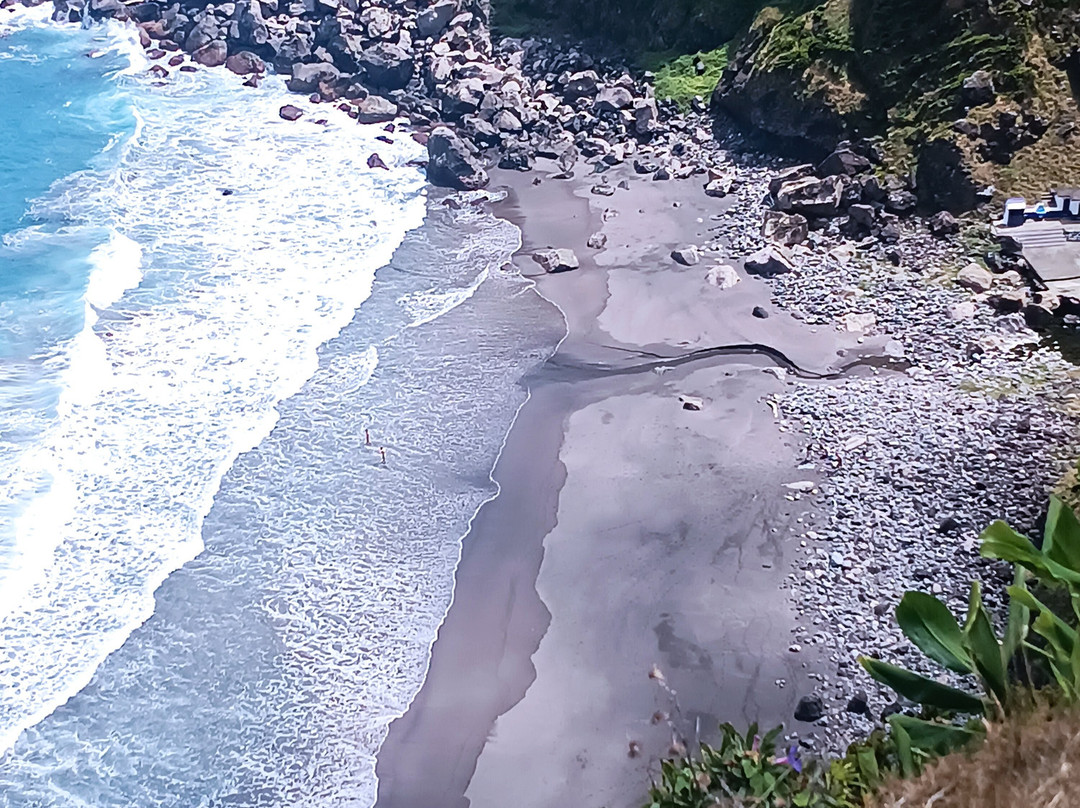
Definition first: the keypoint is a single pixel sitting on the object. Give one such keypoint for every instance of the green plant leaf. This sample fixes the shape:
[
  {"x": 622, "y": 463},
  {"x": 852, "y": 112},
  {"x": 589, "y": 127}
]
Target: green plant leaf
[
  {"x": 868, "y": 767},
  {"x": 982, "y": 642},
  {"x": 903, "y": 749},
  {"x": 1061, "y": 537},
  {"x": 1019, "y": 619},
  {"x": 920, "y": 689},
  {"x": 1002, "y": 542},
  {"x": 929, "y": 624},
  {"x": 1047, "y": 624},
  {"x": 933, "y": 736}
]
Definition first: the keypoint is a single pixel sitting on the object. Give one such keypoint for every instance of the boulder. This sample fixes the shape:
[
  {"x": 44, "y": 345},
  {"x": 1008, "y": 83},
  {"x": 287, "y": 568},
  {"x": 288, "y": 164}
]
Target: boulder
[
  {"x": 760, "y": 313},
  {"x": 901, "y": 202},
  {"x": 613, "y": 99},
  {"x": 722, "y": 276},
  {"x": 556, "y": 260},
  {"x": 719, "y": 187},
  {"x": 581, "y": 85},
  {"x": 978, "y": 89},
  {"x": 645, "y": 116},
  {"x": 204, "y": 32},
  {"x": 856, "y": 322},
  {"x": 963, "y": 310},
  {"x": 451, "y": 164},
  {"x": 377, "y": 21},
  {"x": 387, "y": 66},
  {"x": 251, "y": 27},
  {"x": 306, "y": 78},
  {"x": 290, "y": 113},
  {"x": 862, "y": 216},
  {"x": 506, "y": 121},
  {"x": 212, "y": 54},
  {"x": 975, "y": 278},
  {"x": 943, "y": 223},
  {"x": 145, "y": 12},
  {"x": 432, "y": 21},
  {"x": 245, "y": 63},
  {"x": 597, "y": 241},
  {"x": 692, "y": 403},
  {"x": 790, "y": 175},
  {"x": 687, "y": 256},
  {"x": 770, "y": 261},
  {"x": 859, "y": 703},
  {"x": 376, "y": 109},
  {"x": 809, "y": 709},
  {"x": 785, "y": 229},
  {"x": 811, "y": 196},
  {"x": 106, "y": 9},
  {"x": 843, "y": 161}
]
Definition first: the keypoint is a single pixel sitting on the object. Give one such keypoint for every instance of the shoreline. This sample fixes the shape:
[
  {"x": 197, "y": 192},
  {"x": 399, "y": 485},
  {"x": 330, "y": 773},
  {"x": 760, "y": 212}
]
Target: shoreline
[{"x": 483, "y": 669}]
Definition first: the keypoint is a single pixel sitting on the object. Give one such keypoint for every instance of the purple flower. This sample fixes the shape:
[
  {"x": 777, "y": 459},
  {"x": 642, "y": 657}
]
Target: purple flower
[{"x": 791, "y": 759}]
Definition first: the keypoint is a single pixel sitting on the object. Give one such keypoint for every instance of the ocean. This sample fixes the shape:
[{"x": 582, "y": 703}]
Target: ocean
[{"x": 213, "y": 591}]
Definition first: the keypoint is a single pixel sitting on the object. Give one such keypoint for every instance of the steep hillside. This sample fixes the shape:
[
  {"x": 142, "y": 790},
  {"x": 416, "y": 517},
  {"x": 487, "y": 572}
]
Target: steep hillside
[
  {"x": 971, "y": 93},
  {"x": 967, "y": 94}
]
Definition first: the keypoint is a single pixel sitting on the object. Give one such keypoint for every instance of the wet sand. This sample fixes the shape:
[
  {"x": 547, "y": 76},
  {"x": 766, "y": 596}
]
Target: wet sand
[{"x": 629, "y": 532}]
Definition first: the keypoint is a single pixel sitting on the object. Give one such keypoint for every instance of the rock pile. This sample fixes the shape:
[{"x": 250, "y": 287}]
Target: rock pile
[{"x": 432, "y": 62}]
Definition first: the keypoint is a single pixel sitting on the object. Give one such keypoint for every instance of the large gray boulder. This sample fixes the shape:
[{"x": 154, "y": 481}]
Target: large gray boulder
[
  {"x": 432, "y": 21},
  {"x": 843, "y": 161},
  {"x": 376, "y": 109},
  {"x": 245, "y": 63},
  {"x": 769, "y": 261},
  {"x": 251, "y": 27},
  {"x": 306, "y": 78},
  {"x": 204, "y": 32},
  {"x": 386, "y": 66},
  {"x": 212, "y": 54},
  {"x": 612, "y": 99},
  {"x": 580, "y": 85},
  {"x": 451, "y": 164},
  {"x": 811, "y": 196}
]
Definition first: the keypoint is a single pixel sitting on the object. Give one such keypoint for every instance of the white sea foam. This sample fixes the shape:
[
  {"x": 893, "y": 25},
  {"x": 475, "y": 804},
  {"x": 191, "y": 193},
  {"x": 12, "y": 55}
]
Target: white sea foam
[{"x": 237, "y": 293}]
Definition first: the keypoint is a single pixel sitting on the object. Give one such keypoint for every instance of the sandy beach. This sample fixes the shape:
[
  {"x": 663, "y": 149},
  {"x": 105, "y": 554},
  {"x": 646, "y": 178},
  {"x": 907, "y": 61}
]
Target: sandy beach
[{"x": 629, "y": 532}]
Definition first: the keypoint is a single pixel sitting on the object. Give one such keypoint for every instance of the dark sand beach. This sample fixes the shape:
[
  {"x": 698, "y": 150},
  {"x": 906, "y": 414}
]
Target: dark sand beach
[{"x": 629, "y": 532}]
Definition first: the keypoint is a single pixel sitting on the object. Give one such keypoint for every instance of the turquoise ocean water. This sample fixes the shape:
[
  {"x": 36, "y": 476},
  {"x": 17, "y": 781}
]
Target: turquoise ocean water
[{"x": 211, "y": 590}]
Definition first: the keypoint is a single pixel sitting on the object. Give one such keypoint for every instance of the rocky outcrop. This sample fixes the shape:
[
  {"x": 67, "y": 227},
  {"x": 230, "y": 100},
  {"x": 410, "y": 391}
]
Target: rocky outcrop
[{"x": 451, "y": 163}]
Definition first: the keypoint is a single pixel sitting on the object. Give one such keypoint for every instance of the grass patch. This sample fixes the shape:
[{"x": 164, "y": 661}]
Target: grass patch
[{"x": 677, "y": 77}]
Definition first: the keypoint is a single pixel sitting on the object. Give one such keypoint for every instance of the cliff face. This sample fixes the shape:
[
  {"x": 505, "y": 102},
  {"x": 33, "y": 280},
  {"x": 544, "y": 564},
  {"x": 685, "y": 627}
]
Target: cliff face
[{"x": 967, "y": 93}]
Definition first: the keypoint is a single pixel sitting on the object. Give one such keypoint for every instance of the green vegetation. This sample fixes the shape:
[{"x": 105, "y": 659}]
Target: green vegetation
[
  {"x": 1028, "y": 679},
  {"x": 681, "y": 78}
]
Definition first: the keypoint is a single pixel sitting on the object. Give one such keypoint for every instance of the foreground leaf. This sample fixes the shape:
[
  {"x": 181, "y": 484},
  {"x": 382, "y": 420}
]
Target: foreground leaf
[
  {"x": 920, "y": 689},
  {"x": 935, "y": 737},
  {"x": 929, "y": 624}
]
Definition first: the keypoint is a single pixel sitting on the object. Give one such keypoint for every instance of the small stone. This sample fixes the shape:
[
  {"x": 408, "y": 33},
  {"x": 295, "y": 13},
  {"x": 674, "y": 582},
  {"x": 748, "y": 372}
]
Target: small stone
[
  {"x": 556, "y": 260},
  {"x": 692, "y": 403},
  {"x": 687, "y": 256},
  {"x": 760, "y": 313},
  {"x": 597, "y": 241},
  {"x": 375, "y": 161},
  {"x": 964, "y": 310},
  {"x": 290, "y": 113},
  {"x": 856, "y": 322},
  {"x": 809, "y": 709}
]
